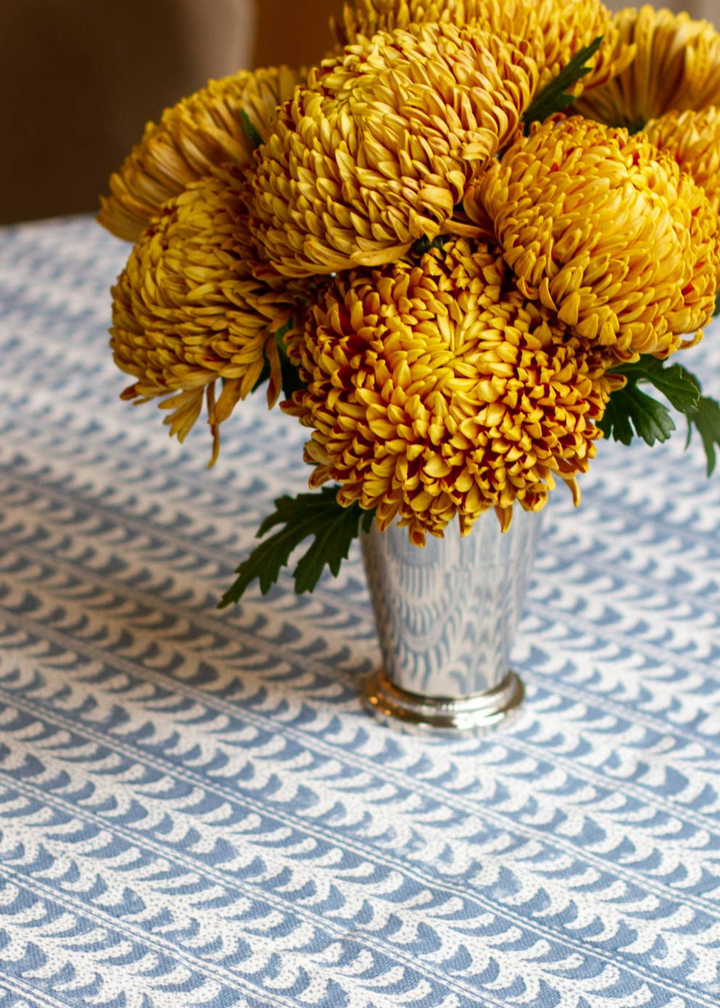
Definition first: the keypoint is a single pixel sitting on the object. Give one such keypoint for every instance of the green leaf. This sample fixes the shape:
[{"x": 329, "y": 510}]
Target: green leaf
[
  {"x": 630, "y": 409},
  {"x": 331, "y": 545},
  {"x": 319, "y": 515},
  {"x": 706, "y": 420},
  {"x": 680, "y": 388},
  {"x": 717, "y": 305},
  {"x": 615, "y": 422},
  {"x": 423, "y": 245},
  {"x": 555, "y": 96},
  {"x": 289, "y": 373},
  {"x": 249, "y": 130},
  {"x": 634, "y": 127},
  {"x": 290, "y": 379}
]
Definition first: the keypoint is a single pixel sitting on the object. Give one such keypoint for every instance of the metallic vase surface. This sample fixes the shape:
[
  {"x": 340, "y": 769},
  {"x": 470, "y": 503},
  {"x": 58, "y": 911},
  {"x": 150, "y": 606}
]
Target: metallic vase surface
[{"x": 446, "y": 615}]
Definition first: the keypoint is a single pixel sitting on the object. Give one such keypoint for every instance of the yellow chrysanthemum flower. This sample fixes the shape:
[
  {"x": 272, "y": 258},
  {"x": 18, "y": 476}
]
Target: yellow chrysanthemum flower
[
  {"x": 608, "y": 232},
  {"x": 555, "y": 29},
  {"x": 435, "y": 390},
  {"x": 192, "y": 139},
  {"x": 379, "y": 148},
  {"x": 676, "y": 66},
  {"x": 693, "y": 139},
  {"x": 188, "y": 311}
]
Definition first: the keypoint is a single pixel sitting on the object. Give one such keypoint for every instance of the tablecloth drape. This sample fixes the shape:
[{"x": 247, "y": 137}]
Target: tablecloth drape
[{"x": 196, "y": 811}]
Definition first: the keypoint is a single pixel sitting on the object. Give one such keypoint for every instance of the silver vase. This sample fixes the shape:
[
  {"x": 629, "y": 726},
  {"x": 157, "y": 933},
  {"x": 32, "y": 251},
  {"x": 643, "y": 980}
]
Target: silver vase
[{"x": 446, "y": 614}]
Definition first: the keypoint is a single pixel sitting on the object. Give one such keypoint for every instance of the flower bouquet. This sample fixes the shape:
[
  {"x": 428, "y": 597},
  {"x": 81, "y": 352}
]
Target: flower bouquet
[{"x": 461, "y": 250}]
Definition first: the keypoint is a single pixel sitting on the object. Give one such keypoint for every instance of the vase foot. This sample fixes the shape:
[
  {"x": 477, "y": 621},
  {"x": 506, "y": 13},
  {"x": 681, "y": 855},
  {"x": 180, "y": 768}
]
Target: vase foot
[{"x": 469, "y": 713}]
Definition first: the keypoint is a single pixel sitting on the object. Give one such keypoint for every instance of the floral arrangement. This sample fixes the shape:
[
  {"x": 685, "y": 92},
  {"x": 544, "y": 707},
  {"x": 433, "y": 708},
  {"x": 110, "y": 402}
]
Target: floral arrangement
[{"x": 455, "y": 249}]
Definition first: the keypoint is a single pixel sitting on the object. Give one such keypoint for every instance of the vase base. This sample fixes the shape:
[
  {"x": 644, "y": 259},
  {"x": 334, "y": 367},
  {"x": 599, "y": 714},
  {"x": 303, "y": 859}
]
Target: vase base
[{"x": 470, "y": 713}]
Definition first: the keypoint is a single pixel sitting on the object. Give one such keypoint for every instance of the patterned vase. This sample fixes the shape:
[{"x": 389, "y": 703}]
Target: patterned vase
[{"x": 446, "y": 614}]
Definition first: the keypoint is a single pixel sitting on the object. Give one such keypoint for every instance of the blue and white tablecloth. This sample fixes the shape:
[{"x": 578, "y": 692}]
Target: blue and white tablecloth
[{"x": 196, "y": 811}]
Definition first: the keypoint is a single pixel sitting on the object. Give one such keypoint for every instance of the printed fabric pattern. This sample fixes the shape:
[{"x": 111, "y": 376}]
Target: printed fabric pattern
[{"x": 196, "y": 812}]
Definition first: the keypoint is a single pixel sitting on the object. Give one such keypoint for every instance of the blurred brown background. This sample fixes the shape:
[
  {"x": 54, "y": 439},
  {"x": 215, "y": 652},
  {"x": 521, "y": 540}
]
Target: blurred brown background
[{"x": 79, "y": 78}]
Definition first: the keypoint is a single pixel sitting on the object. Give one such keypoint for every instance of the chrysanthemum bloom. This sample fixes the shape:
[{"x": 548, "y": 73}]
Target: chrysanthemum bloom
[
  {"x": 435, "y": 390},
  {"x": 555, "y": 29},
  {"x": 676, "y": 66},
  {"x": 192, "y": 139},
  {"x": 187, "y": 310},
  {"x": 608, "y": 232},
  {"x": 693, "y": 139},
  {"x": 377, "y": 150}
]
